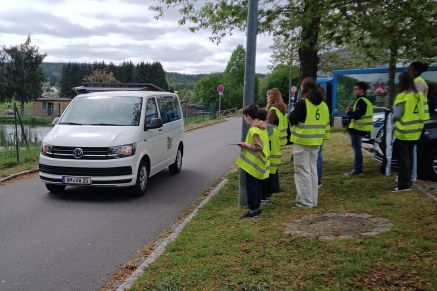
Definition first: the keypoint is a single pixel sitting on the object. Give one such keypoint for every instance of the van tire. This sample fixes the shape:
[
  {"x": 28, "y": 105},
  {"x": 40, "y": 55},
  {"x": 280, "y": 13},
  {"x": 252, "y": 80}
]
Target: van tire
[
  {"x": 55, "y": 188},
  {"x": 140, "y": 188},
  {"x": 176, "y": 167}
]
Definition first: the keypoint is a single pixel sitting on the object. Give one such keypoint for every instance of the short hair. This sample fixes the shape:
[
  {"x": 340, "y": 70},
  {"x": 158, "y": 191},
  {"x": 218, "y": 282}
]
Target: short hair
[
  {"x": 251, "y": 110},
  {"x": 362, "y": 85},
  {"x": 262, "y": 114}
]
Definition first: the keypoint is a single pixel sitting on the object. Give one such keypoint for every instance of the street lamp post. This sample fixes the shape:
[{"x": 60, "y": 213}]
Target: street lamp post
[{"x": 249, "y": 82}]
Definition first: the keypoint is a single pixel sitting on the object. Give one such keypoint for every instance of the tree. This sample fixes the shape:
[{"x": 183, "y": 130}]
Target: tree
[
  {"x": 399, "y": 30},
  {"x": 278, "y": 78},
  {"x": 302, "y": 17},
  {"x": 157, "y": 76},
  {"x": 234, "y": 79},
  {"x": 205, "y": 89},
  {"x": 24, "y": 75},
  {"x": 3, "y": 76},
  {"x": 101, "y": 76}
]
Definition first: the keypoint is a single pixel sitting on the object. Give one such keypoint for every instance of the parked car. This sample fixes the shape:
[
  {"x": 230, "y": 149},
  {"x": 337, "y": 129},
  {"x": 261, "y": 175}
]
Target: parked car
[
  {"x": 426, "y": 150},
  {"x": 116, "y": 139}
]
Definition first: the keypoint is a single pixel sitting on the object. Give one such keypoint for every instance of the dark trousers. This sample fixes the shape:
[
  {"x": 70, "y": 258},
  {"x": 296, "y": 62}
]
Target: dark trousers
[
  {"x": 404, "y": 155},
  {"x": 270, "y": 186},
  {"x": 253, "y": 191},
  {"x": 356, "y": 146}
]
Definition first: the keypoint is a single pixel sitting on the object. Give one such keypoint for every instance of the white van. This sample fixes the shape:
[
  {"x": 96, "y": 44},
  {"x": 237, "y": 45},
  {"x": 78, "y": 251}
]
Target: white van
[{"x": 114, "y": 139}]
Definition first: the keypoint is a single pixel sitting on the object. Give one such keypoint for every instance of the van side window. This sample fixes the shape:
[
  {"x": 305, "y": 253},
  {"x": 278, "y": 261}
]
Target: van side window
[
  {"x": 151, "y": 110},
  {"x": 169, "y": 109},
  {"x": 176, "y": 108}
]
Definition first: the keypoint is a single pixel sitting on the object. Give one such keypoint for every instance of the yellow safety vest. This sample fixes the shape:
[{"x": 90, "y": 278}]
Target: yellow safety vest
[
  {"x": 410, "y": 126},
  {"x": 425, "y": 100},
  {"x": 365, "y": 123},
  {"x": 275, "y": 151},
  {"x": 282, "y": 125},
  {"x": 313, "y": 130},
  {"x": 257, "y": 164}
]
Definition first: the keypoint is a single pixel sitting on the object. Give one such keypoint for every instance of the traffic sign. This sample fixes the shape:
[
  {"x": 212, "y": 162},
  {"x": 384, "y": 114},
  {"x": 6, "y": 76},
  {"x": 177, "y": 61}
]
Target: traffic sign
[{"x": 220, "y": 89}]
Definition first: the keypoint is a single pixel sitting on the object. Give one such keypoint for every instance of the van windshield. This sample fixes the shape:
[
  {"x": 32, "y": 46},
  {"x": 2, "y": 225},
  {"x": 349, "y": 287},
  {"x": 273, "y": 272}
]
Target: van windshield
[{"x": 104, "y": 110}]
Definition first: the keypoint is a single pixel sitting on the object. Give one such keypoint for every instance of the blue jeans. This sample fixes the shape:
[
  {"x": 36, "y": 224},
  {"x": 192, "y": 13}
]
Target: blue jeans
[
  {"x": 414, "y": 163},
  {"x": 356, "y": 146},
  {"x": 320, "y": 164}
]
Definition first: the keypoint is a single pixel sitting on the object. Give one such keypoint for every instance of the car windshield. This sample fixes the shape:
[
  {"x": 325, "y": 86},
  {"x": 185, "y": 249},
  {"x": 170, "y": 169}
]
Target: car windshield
[{"x": 104, "y": 110}]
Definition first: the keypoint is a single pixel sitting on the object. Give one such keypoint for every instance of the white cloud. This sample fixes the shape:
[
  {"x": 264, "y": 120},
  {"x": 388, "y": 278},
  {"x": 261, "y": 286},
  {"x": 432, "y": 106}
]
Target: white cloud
[{"x": 118, "y": 30}]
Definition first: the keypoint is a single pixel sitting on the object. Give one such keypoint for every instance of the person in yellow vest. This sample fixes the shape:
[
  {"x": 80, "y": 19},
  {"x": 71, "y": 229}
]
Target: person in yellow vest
[
  {"x": 309, "y": 120},
  {"x": 271, "y": 184},
  {"x": 254, "y": 159},
  {"x": 361, "y": 116},
  {"x": 408, "y": 118},
  {"x": 416, "y": 69},
  {"x": 277, "y": 113}
]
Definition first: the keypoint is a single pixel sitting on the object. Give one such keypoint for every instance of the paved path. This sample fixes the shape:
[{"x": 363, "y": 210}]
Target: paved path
[{"x": 78, "y": 240}]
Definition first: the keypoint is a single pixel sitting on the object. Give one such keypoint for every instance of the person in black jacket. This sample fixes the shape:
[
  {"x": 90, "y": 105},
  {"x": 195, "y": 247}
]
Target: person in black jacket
[{"x": 356, "y": 135}]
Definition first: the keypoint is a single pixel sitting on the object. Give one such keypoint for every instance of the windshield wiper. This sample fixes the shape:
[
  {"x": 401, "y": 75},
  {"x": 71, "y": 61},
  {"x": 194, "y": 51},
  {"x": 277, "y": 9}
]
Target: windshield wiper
[{"x": 70, "y": 123}]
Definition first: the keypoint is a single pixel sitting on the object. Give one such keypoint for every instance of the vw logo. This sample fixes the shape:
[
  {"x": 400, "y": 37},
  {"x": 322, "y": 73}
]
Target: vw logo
[{"x": 78, "y": 153}]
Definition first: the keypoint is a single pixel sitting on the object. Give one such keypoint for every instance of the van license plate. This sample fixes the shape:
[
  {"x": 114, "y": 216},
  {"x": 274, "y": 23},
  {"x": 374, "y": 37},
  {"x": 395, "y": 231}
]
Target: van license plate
[{"x": 76, "y": 180}]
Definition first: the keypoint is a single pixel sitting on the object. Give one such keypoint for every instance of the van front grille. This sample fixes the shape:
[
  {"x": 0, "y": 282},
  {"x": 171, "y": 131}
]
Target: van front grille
[{"x": 89, "y": 153}]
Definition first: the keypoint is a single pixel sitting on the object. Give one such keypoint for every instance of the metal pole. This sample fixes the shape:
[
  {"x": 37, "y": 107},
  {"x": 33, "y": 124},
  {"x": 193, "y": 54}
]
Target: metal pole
[
  {"x": 220, "y": 104},
  {"x": 16, "y": 132},
  {"x": 249, "y": 81}
]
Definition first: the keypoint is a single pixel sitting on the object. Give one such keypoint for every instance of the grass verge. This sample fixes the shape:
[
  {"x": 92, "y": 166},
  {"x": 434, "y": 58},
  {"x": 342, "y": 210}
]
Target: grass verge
[
  {"x": 217, "y": 251},
  {"x": 28, "y": 161}
]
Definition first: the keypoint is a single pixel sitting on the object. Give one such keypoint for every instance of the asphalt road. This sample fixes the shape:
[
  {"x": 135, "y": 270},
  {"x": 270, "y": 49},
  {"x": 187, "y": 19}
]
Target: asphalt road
[{"x": 78, "y": 240}]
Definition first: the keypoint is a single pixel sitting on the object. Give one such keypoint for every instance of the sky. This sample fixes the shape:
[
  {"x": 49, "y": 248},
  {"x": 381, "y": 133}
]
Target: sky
[{"x": 116, "y": 31}]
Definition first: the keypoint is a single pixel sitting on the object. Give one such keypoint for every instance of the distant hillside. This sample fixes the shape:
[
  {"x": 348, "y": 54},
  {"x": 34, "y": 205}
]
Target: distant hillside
[
  {"x": 53, "y": 71},
  {"x": 183, "y": 81}
]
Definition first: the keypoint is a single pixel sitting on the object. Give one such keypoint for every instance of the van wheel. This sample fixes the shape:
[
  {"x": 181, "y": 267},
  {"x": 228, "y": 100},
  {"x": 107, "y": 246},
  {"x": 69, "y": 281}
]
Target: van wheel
[
  {"x": 55, "y": 188},
  {"x": 140, "y": 188},
  {"x": 176, "y": 167},
  {"x": 431, "y": 167}
]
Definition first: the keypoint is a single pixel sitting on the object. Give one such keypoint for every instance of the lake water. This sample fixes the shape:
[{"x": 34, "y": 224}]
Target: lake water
[{"x": 34, "y": 133}]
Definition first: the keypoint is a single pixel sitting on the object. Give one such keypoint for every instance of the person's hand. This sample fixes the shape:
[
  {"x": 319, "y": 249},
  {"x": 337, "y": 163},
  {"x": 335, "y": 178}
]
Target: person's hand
[
  {"x": 348, "y": 109},
  {"x": 243, "y": 145}
]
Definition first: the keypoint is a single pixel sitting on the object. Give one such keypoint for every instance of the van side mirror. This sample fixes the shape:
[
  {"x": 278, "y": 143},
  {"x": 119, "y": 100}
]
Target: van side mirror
[
  {"x": 55, "y": 121},
  {"x": 154, "y": 123}
]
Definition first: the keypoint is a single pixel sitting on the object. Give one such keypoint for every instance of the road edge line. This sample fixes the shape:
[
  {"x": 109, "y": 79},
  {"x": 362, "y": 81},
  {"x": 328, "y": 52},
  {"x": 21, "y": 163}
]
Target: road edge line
[{"x": 161, "y": 246}]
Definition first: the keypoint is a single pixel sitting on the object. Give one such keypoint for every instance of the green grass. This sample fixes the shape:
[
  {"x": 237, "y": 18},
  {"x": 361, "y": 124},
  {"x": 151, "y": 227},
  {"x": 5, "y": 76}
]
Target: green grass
[
  {"x": 198, "y": 118},
  {"x": 28, "y": 160},
  {"x": 216, "y": 251}
]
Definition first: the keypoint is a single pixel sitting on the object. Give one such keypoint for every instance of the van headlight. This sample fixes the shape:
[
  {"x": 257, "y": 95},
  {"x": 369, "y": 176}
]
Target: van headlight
[
  {"x": 122, "y": 151},
  {"x": 46, "y": 149}
]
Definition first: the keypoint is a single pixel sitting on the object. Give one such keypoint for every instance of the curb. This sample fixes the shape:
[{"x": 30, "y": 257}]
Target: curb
[
  {"x": 18, "y": 175},
  {"x": 164, "y": 242}
]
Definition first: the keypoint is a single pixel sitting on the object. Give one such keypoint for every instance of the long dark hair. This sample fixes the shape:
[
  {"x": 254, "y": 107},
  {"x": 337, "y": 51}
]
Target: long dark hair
[
  {"x": 310, "y": 89},
  {"x": 406, "y": 83}
]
